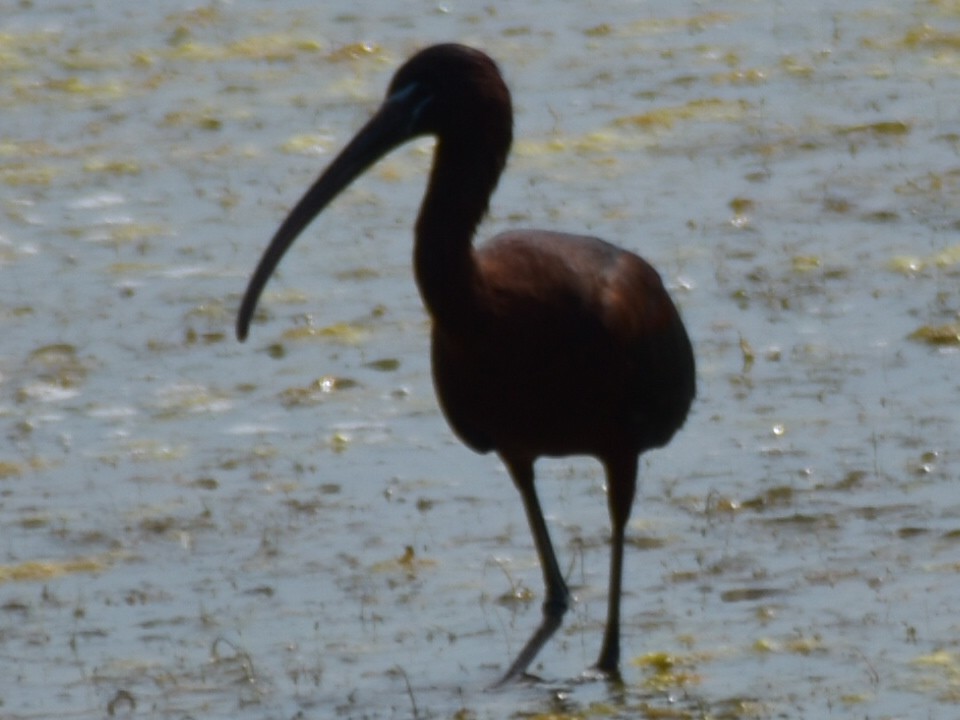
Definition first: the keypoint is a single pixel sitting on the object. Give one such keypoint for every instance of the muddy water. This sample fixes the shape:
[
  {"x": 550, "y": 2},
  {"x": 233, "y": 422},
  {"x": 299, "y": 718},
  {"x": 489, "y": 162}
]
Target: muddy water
[{"x": 287, "y": 528}]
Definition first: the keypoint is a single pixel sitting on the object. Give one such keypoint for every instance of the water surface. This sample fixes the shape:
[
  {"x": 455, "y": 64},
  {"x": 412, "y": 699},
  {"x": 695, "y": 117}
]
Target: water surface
[{"x": 287, "y": 528}]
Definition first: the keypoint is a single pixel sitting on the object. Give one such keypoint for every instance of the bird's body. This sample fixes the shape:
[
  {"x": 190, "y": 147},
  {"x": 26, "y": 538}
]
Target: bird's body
[
  {"x": 543, "y": 343},
  {"x": 518, "y": 373}
]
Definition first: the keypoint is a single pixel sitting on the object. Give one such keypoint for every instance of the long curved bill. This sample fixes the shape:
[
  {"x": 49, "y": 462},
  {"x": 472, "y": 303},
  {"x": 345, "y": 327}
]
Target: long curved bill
[{"x": 389, "y": 127}]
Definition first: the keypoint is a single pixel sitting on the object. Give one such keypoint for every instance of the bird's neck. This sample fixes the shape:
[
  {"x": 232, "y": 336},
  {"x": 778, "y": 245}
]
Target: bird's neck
[{"x": 461, "y": 183}]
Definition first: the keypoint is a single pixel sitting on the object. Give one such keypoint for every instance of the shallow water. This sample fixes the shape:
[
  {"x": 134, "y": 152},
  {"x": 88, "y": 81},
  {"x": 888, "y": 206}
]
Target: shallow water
[{"x": 287, "y": 528}]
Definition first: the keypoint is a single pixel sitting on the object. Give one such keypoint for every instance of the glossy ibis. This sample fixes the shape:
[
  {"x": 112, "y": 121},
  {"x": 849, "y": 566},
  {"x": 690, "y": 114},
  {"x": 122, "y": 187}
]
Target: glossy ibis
[{"x": 543, "y": 344}]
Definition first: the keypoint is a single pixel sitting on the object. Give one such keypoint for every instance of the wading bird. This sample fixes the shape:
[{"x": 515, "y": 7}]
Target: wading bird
[{"x": 543, "y": 343}]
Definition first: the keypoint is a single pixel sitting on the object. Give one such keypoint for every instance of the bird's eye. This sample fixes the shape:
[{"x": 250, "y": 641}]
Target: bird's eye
[
  {"x": 419, "y": 102},
  {"x": 415, "y": 98},
  {"x": 404, "y": 93}
]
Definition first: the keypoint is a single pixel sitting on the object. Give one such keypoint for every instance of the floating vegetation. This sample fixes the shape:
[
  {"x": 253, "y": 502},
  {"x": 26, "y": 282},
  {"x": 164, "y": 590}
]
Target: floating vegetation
[
  {"x": 796, "y": 67},
  {"x": 605, "y": 141},
  {"x": 750, "y": 594},
  {"x": 42, "y": 570},
  {"x": 356, "y": 51},
  {"x": 881, "y": 216},
  {"x": 409, "y": 563},
  {"x": 58, "y": 373},
  {"x": 314, "y": 392},
  {"x": 384, "y": 365},
  {"x": 691, "y": 23},
  {"x": 344, "y": 333},
  {"x": 667, "y": 671},
  {"x": 929, "y": 37},
  {"x": 175, "y": 401},
  {"x": 601, "y": 30},
  {"x": 741, "y": 205},
  {"x": 358, "y": 274},
  {"x": 200, "y": 118},
  {"x": 703, "y": 110},
  {"x": 805, "y": 263},
  {"x": 134, "y": 268},
  {"x": 113, "y": 167},
  {"x": 10, "y": 469},
  {"x": 22, "y": 173},
  {"x": 940, "y": 335},
  {"x": 753, "y": 76},
  {"x": 812, "y": 184},
  {"x": 308, "y": 144},
  {"x": 270, "y": 48},
  {"x": 748, "y": 355},
  {"x": 913, "y": 265},
  {"x": 780, "y": 496},
  {"x": 882, "y": 129},
  {"x": 133, "y": 232},
  {"x": 340, "y": 441},
  {"x": 109, "y": 90},
  {"x": 150, "y": 451}
]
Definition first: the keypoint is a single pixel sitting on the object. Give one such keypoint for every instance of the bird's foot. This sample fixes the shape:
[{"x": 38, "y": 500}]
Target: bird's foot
[
  {"x": 516, "y": 678},
  {"x": 595, "y": 674}
]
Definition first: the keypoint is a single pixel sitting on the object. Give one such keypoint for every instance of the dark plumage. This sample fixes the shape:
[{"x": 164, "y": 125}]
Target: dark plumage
[{"x": 544, "y": 344}]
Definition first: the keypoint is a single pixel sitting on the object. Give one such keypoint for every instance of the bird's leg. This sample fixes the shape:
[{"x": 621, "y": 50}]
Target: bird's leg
[
  {"x": 557, "y": 595},
  {"x": 621, "y": 484}
]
